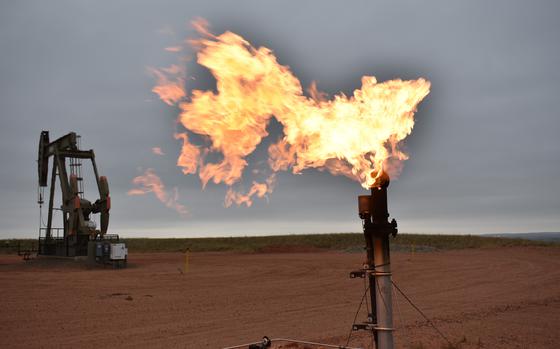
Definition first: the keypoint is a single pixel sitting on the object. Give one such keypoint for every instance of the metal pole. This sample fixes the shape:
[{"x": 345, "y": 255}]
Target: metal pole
[
  {"x": 383, "y": 291},
  {"x": 372, "y": 316},
  {"x": 48, "y": 234},
  {"x": 377, "y": 228}
]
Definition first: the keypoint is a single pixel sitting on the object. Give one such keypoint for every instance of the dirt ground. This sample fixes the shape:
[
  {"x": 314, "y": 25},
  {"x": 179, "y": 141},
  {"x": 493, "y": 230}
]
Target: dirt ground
[{"x": 478, "y": 298}]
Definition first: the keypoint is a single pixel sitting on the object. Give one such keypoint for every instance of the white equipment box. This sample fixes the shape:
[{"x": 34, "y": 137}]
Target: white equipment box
[{"x": 118, "y": 251}]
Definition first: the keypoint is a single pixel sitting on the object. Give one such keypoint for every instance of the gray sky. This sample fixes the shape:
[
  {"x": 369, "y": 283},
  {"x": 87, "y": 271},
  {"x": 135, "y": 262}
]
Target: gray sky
[{"x": 484, "y": 153}]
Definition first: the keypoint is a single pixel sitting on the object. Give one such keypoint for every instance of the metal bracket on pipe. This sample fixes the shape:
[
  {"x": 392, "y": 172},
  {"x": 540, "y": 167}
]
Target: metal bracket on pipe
[
  {"x": 364, "y": 326},
  {"x": 362, "y": 273},
  {"x": 380, "y": 273},
  {"x": 384, "y": 329},
  {"x": 357, "y": 274}
]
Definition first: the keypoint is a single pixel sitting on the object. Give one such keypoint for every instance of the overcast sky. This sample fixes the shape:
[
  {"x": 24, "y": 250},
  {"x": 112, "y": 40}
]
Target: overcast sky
[{"x": 484, "y": 153}]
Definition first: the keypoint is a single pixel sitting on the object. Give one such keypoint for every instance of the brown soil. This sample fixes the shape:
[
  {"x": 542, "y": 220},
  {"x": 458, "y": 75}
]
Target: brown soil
[{"x": 483, "y": 298}]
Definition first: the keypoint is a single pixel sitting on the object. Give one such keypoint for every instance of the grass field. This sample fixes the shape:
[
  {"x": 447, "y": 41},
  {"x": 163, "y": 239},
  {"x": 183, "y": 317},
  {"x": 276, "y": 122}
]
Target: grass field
[{"x": 346, "y": 241}]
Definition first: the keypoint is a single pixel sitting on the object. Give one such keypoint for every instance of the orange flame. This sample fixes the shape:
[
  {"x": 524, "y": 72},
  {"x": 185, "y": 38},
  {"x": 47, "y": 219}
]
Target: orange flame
[
  {"x": 190, "y": 155},
  {"x": 357, "y": 136},
  {"x": 150, "y": 182},
  {"x": 170, "y": 83},
  {"x": 258, "y": 189}
]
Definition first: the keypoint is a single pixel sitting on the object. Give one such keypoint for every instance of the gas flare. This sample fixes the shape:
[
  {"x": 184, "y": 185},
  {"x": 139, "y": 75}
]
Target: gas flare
[
  {"x": 149, "y": 182},
  {"x": 357, "y": 136},
  {"x": 170, "y": 83}
]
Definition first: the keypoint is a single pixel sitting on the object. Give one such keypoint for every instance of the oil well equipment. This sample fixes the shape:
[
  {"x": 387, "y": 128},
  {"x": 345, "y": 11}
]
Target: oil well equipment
[
  {"x": 78, "y": 235},
  {"x": 377, "y": 229}
]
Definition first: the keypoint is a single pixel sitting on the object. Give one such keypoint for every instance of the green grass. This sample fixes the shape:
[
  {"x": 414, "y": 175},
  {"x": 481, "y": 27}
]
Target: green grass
[
  {"x": 347, "y": 242},
  {"x": 10, "y": 246},
  {"x": 453, "y": 242}
]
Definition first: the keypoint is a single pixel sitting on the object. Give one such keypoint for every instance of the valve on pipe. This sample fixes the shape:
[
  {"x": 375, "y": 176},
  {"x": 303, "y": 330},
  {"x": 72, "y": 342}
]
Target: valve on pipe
[{"x": 266, "y": 343}]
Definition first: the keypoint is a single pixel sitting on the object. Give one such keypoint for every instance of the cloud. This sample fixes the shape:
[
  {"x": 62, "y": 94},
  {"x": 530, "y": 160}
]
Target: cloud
[{"x": 166, "y": 30}]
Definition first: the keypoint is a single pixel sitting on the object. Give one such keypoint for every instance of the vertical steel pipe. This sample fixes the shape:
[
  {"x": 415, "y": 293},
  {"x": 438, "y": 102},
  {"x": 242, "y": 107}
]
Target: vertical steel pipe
[{"x": 377, "y": 228}]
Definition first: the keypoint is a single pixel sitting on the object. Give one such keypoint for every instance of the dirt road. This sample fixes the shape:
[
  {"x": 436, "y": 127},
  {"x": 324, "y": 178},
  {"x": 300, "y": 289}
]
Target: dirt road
[{"x": 483, "y": 298}]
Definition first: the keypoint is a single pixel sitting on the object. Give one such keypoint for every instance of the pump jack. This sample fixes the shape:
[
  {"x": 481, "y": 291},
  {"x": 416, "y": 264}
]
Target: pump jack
[{"x": 78, "y": 228}]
